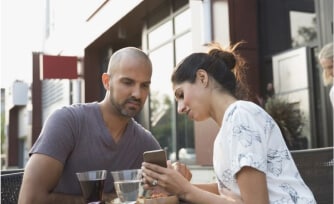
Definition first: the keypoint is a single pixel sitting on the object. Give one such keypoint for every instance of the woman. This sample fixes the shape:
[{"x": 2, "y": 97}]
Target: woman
[
  {"x": 250, "y": 157},
  {"x": 326, "y": 62}
]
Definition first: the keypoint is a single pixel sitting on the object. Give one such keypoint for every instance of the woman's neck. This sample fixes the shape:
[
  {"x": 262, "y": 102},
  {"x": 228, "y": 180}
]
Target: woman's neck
[{"x": 220, "y": 102}]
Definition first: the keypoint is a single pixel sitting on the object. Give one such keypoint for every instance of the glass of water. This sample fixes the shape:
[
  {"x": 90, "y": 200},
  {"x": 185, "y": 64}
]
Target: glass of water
[{"x": 127, "y": 184}]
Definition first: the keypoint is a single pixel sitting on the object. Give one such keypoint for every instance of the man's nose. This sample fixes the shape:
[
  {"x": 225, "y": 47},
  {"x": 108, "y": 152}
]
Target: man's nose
[{"x": 136, "y": 91}]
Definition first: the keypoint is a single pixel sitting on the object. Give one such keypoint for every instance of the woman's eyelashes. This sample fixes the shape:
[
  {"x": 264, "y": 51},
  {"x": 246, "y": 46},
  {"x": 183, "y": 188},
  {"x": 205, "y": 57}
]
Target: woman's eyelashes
[{"x": 178, "y": 94}]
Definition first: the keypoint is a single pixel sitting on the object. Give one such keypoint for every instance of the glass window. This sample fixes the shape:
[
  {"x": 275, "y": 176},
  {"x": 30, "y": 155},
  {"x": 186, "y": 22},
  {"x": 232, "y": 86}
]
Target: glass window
[
  {"x": 161, "y": 95},
  {"x": 303, "y": 28},
  {"x": 166, "y": 47},
  {"x": 160, "y": 34},
  {"x": 182, "y": 47},
  {"x": 182, "y": 22},
  {"x": 184, "y": 127}
]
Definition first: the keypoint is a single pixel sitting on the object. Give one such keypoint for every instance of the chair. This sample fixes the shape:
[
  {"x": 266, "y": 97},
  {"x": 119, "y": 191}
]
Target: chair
[
  {"x": 10, "y": 187},
  {"x": 316, "y": 168},
  {"x": 10, "y": 171}
]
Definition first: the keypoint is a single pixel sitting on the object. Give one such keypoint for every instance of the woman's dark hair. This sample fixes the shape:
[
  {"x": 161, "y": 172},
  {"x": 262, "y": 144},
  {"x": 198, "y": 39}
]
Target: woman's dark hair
[{"x": 225, "y": 65}]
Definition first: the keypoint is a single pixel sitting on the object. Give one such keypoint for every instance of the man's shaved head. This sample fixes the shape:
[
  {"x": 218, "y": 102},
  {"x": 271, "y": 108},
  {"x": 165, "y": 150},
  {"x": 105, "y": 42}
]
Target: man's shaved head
[{"x": 124, "y": 53}]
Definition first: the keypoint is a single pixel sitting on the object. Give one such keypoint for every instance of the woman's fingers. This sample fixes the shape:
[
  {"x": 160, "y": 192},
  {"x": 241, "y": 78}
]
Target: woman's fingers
[
  {"x": 152, "y": 170},
  {"x": 171, "y": 178},
  {"x": 182, "y": 169},
  {"x": 153, "y": 174}
]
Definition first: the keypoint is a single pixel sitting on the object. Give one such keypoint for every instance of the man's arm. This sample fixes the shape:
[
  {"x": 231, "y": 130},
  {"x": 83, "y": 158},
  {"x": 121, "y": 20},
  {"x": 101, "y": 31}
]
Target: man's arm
[{"x": 41, "y": 176}]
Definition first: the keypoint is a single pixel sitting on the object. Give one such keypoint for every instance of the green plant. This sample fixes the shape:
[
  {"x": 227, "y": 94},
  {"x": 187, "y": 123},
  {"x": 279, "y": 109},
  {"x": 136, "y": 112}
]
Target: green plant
[{"x": 289, "y": 119}]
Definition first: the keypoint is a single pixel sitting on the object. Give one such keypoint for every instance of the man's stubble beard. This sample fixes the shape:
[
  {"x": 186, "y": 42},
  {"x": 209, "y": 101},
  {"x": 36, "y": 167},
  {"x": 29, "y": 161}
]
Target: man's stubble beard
[{"x": 121, "y": 110}]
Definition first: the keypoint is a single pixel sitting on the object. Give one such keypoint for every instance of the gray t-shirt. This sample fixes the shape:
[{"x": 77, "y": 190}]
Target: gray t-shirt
[{"x": 78, "y": 137}]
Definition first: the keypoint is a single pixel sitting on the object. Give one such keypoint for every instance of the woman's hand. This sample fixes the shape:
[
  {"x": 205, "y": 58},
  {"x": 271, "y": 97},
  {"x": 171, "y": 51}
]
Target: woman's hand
[
  {"x": 169, "y": 178},
  {"x": 182, "y": 169},
  {"x": 175, "y": 183}
]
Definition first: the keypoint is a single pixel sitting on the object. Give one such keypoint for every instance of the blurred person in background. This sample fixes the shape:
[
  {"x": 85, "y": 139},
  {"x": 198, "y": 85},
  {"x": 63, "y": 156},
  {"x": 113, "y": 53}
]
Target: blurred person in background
[{"x": 326, "y": 61}]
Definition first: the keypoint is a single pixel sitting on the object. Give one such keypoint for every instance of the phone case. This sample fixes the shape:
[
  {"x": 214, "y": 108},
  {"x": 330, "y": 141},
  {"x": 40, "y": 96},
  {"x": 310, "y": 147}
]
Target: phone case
[{"x": 156, "y": 157}]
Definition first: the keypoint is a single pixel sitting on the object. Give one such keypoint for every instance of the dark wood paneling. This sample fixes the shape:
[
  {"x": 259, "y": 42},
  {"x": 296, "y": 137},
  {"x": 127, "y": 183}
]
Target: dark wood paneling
[
  {"x": 244, "y": 27},
  {"x": 92, "y": 75},
  {"x": 36, "y": 98},
  {"x": 13, "y": 141}
]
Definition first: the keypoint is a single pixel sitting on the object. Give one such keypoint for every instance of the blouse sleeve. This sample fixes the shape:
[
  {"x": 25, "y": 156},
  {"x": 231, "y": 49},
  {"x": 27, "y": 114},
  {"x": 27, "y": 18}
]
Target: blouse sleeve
[{"x": 248, "y": 139}]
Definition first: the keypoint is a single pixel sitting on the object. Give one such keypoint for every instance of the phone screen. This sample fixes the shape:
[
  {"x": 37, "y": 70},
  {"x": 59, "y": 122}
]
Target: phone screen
[{"x": 156, "y": 157}]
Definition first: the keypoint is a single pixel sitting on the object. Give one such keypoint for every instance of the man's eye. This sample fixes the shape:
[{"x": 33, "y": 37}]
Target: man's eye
[
  {"x": 146, "y": 86},
  {"x": 127, "y": 82}
]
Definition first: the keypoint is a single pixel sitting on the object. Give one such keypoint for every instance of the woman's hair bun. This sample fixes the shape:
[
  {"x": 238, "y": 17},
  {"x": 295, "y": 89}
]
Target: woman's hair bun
[{"x": 226, "y": 56}]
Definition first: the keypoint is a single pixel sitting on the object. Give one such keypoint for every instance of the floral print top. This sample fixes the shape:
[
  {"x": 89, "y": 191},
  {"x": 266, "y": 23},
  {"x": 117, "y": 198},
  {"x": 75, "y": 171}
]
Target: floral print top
[{"x": 250, "y": 137}]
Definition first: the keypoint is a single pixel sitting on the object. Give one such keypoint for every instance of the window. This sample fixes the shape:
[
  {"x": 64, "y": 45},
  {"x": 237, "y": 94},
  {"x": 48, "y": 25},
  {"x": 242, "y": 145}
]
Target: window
[
  {"x": 303, "y": 28},
  {"x": 168, "y": 42}
]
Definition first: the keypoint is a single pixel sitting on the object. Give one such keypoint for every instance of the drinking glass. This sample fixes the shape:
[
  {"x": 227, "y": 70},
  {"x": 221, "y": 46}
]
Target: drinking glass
[
  {"x": 92, "y": 185},
  {"x": 127, "y": 184}
]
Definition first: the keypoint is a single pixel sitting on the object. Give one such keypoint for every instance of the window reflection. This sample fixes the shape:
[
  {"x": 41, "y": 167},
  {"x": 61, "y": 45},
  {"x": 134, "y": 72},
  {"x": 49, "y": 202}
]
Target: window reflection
[{"x": 303, "y": 28}]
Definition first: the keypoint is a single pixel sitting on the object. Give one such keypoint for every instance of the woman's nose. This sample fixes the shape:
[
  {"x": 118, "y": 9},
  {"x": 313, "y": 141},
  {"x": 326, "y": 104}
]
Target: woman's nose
[{"x": 181, "y": 108}]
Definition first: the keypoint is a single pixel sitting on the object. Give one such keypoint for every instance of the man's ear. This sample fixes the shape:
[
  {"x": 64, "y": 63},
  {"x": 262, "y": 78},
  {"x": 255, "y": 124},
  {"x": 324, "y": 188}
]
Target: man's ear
[
  {"x": 106, "y": 80},
  {"x": 202, "y": 77}
]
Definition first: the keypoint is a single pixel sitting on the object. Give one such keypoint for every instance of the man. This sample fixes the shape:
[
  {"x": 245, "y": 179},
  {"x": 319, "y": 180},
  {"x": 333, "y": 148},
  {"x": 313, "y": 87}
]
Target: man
[
  {"x": 326, "y": 62},
  {"x": 92, "y": 136}
]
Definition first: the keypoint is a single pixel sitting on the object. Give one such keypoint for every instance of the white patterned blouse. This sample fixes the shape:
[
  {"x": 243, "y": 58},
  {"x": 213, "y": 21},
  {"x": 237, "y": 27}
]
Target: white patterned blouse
[{"x": 250, "y": 137}]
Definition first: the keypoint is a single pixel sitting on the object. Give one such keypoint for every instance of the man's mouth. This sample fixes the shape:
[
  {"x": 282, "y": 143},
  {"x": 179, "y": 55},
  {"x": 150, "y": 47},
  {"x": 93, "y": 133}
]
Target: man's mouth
[{"x": 134, "y": 103}]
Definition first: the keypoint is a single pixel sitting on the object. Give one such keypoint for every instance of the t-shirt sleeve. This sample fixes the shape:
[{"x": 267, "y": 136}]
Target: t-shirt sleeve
[
  {"x": 247, "y": 140},
  {"x": 152, "y": 142},
  {"x": 57, "y": 136}
]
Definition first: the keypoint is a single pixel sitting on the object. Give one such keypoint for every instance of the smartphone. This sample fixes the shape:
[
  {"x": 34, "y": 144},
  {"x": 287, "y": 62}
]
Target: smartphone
[{"x": 156, "y": 157}]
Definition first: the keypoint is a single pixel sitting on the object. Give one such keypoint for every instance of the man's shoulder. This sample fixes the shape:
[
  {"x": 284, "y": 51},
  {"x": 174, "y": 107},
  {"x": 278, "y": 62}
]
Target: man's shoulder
[
  {"x": 138, "y": 127},
  {"x": 75, "y": 110},
  {"x": 83, "y": 105},
  {"x": 80, "y": 107}
]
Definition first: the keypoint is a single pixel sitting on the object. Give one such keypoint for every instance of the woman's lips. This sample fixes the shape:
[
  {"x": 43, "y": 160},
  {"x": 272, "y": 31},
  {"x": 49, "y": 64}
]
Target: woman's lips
[{"x": 189, "y": 114}]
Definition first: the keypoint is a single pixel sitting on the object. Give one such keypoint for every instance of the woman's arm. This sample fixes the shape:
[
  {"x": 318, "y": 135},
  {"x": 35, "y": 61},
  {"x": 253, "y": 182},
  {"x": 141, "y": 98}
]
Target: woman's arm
[
  {"x": 210, "y": 187},
  {"x": 175, "y": 183},
  {"x": 253, "y": 186}
]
